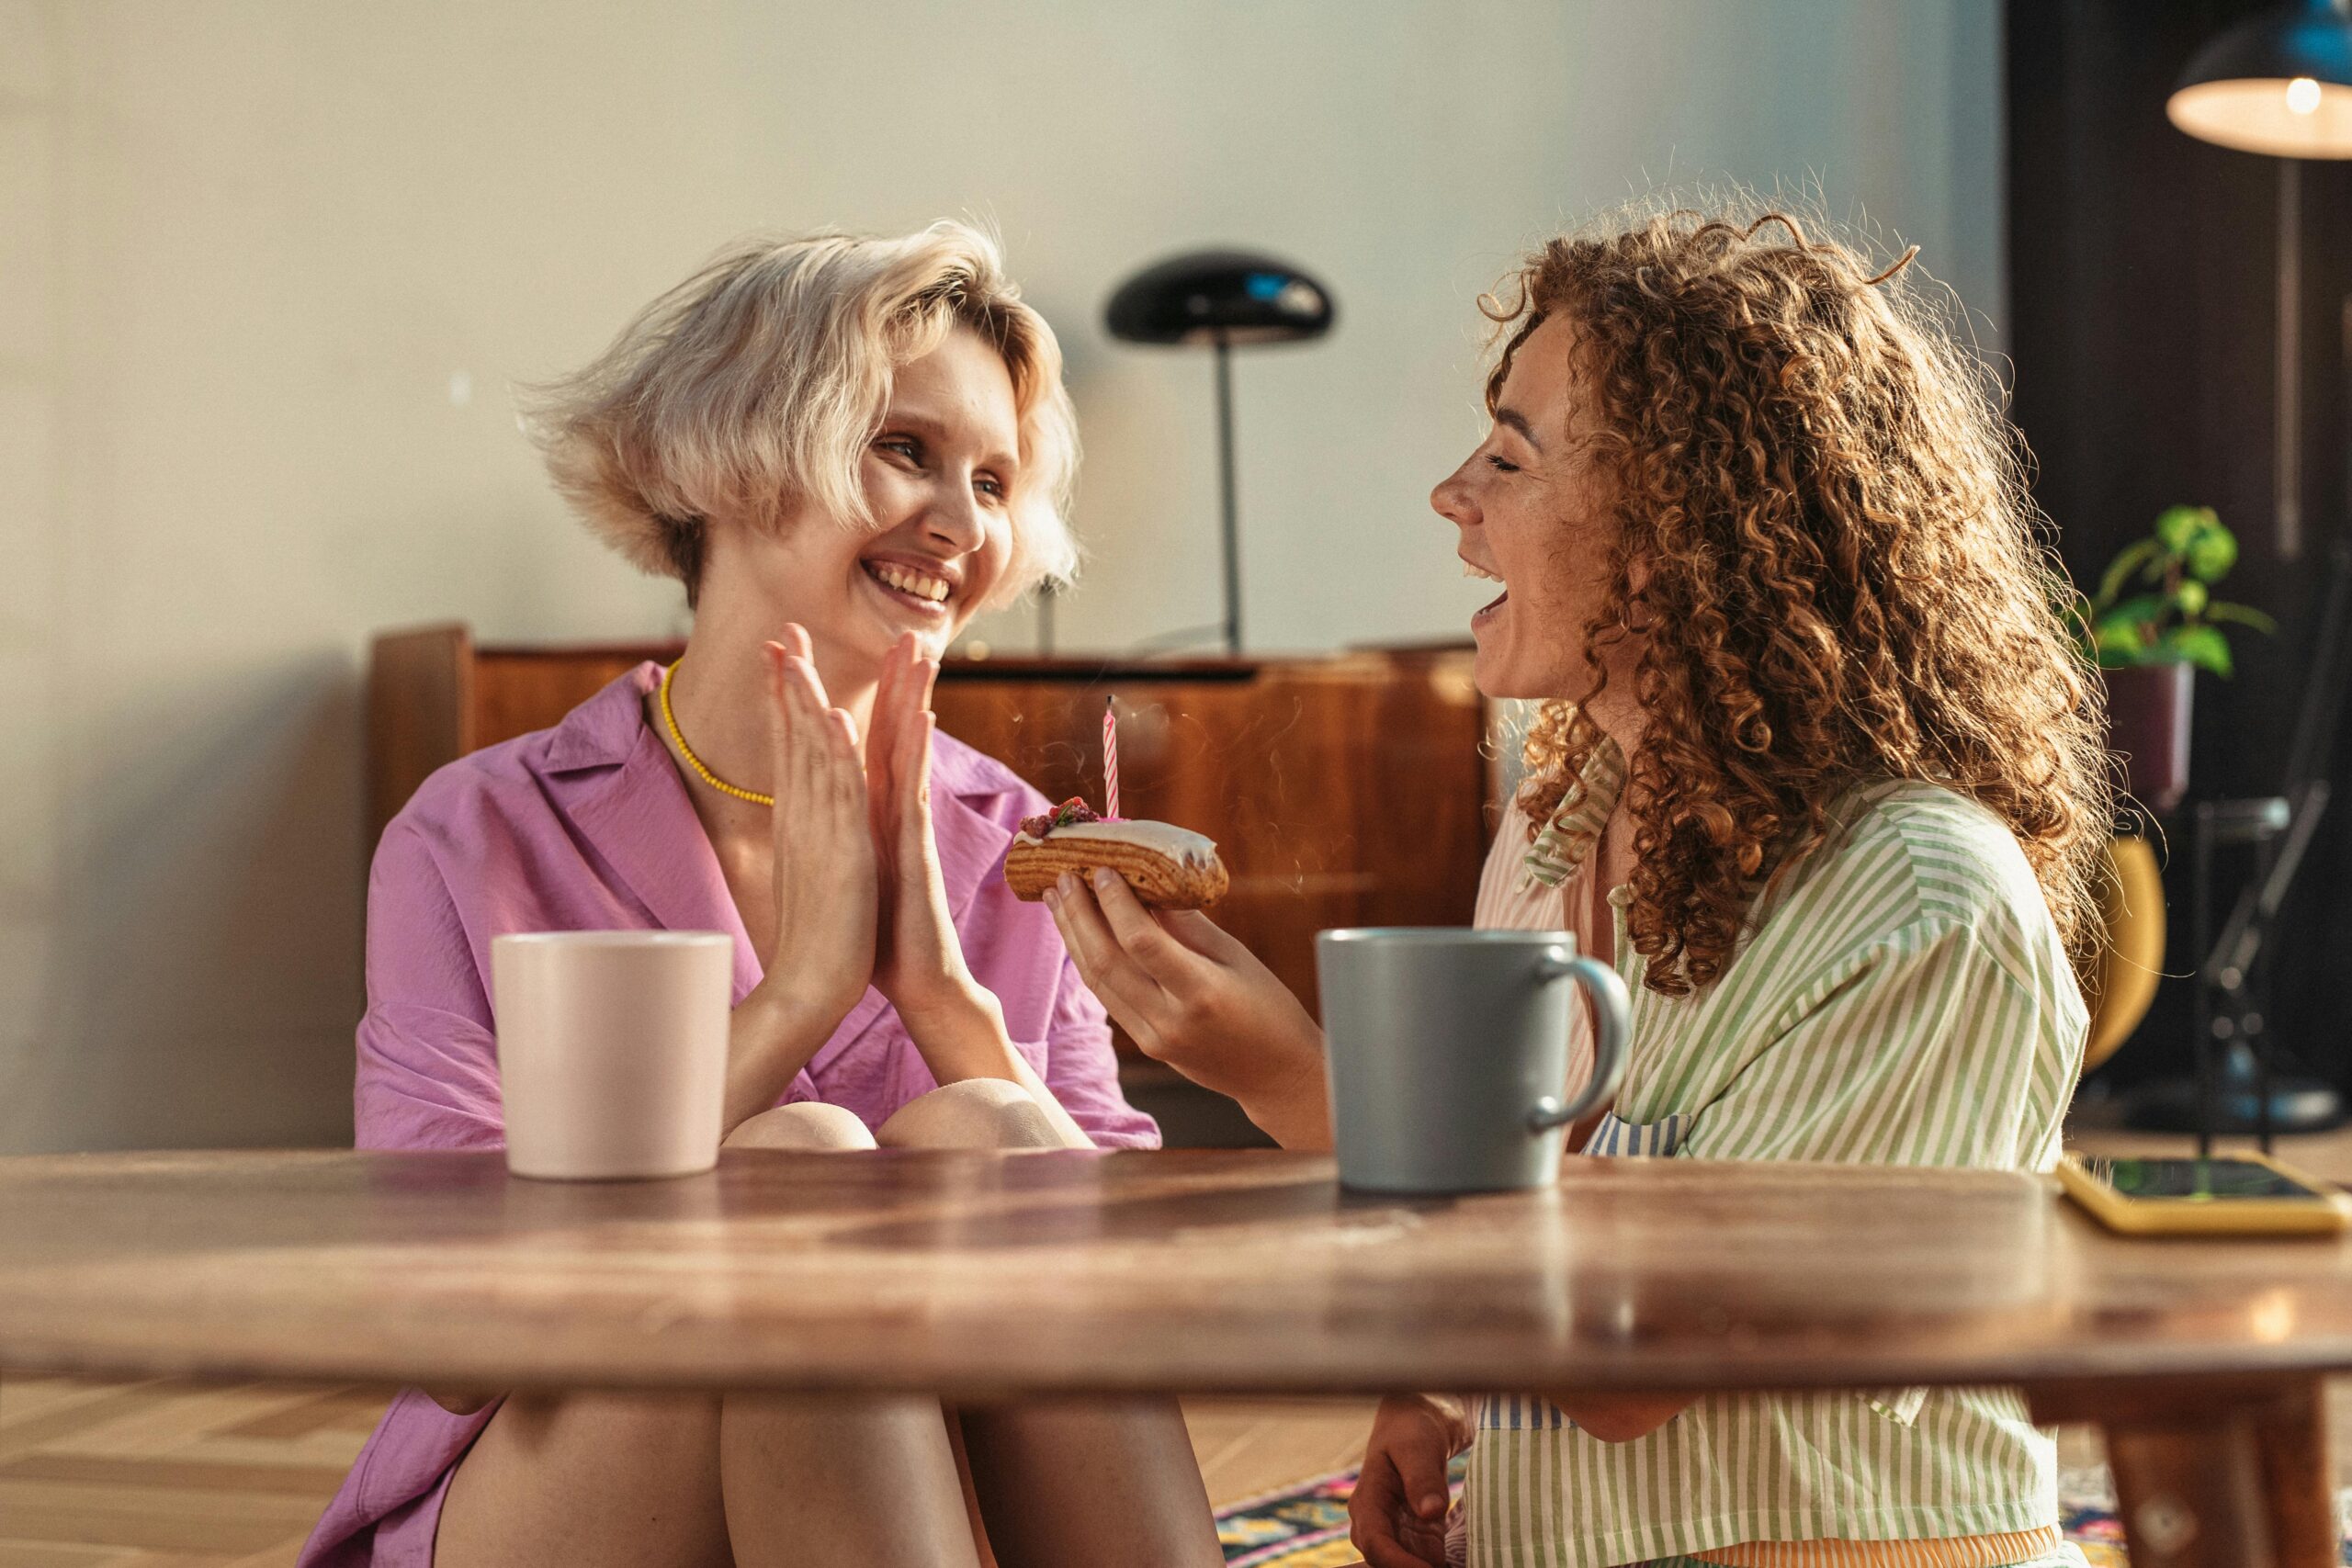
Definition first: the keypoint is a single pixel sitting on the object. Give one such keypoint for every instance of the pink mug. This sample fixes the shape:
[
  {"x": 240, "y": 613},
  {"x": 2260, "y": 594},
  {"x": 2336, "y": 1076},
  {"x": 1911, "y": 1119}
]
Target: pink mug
[{"x": 612, "y": 1051}]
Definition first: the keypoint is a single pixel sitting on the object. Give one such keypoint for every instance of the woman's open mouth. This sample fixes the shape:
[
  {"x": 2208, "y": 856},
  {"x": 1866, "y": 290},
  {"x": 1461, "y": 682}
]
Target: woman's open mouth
[
  {"x": 923, "y": 593},
  {"x": 1489, "y": 611}
]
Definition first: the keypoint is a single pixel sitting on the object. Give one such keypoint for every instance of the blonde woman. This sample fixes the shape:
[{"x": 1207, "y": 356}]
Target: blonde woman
[
  {"x": 1818, "y": 769},
  {"x": 842, "y": 449}
]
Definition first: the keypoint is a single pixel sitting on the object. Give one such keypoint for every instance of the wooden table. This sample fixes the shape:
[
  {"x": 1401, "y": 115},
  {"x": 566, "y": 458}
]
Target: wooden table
[{"x": 981, "y": 1276}]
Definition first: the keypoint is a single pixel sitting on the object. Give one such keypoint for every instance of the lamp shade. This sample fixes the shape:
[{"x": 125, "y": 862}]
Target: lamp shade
[
  {"x": 2279, "y": 85},
  {"x": 1206, "y": 297}
]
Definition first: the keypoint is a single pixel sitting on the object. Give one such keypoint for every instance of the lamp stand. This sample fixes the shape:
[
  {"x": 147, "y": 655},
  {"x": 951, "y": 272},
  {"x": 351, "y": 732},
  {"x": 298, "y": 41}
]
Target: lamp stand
[
  {"x": 1232, "y": 525},
  {"x": 2287, "y": 460}
]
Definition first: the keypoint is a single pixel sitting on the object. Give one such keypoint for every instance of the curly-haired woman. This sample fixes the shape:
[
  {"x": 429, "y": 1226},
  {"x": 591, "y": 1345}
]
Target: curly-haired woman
[{"x": 1818, "y": 768}]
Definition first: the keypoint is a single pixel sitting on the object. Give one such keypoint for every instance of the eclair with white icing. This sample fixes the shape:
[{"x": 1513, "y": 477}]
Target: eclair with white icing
[{"x": 1168, "y": 867}]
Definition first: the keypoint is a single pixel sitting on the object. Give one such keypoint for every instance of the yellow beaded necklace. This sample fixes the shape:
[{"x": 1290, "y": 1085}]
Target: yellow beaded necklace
[{"x": 713, "y": 780}]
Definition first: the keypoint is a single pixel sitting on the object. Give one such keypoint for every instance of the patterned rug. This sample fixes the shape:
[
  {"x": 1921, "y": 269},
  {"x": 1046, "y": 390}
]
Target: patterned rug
[{"x": 1306, "y": 1526}]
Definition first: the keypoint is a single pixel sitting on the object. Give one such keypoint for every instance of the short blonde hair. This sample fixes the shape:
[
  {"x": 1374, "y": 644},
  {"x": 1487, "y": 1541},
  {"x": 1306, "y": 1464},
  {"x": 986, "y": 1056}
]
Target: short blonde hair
[{"x": 756, "y": 384}]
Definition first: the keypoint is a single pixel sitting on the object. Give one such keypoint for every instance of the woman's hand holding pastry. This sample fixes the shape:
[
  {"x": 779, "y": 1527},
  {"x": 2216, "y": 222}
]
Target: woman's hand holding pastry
[{"x": 1191, "y": 997}]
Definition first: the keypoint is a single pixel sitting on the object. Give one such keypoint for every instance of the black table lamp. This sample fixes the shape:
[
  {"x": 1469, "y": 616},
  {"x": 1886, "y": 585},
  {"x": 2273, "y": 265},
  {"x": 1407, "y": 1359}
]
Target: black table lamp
[
  {"x": 1222, "y": 299},
  {"x": 2281, "y": 83}
]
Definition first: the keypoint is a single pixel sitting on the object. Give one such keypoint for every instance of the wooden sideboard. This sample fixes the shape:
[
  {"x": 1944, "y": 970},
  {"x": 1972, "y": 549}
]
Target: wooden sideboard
[{"x": 1343, "y": 791}]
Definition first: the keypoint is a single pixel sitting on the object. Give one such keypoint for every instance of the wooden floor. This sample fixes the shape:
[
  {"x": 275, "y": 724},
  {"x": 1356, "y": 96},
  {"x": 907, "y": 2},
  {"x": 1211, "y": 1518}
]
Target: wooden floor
[
  {"x": 161, "y": 1475},
  {"x": 157, "y": 1474}
]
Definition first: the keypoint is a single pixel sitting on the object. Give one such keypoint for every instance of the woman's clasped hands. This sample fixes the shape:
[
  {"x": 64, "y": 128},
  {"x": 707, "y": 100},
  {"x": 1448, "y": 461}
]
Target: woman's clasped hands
[{"x": 859, "y": 898}]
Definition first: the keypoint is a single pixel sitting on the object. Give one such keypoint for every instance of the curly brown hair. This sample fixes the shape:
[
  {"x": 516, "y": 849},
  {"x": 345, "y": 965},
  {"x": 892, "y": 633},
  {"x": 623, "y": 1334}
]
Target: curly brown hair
[{"x": 1824, "y": 534}]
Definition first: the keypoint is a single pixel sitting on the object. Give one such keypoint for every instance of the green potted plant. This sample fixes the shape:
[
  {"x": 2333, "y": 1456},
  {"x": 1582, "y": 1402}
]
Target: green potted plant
[{"x": 2151, "y": 625}]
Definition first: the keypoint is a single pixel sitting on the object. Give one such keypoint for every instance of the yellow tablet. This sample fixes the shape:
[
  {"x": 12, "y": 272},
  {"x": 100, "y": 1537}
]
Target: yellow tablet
[{"x": 2237, "y": 1194}]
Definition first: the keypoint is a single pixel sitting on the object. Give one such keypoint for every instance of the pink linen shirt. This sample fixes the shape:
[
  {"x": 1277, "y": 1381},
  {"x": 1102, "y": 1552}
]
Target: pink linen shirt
[{"x": 586, "y": 826}]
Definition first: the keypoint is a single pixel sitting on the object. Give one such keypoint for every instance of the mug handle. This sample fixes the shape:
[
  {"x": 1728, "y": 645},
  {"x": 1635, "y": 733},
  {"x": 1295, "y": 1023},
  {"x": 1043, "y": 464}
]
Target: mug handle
[{"x": 1611, "y": 1007}]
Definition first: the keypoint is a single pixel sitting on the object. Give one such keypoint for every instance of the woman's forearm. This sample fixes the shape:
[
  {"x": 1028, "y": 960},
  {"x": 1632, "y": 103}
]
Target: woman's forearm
[
  {"x": 770, "y": 1038},
  {"x": 1292, "y": 1106},
  {"x": 965, "y": 1038}
]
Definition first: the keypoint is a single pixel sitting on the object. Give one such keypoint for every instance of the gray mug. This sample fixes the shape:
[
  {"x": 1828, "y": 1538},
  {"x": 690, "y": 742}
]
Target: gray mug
[{"x": 1449, "y": 1053}]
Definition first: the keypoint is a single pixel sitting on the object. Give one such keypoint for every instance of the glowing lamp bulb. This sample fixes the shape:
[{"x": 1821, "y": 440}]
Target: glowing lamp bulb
[{"x": 2302, "y": 95}]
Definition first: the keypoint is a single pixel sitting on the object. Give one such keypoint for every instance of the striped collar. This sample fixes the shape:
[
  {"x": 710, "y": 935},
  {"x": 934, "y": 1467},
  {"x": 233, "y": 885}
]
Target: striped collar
[{"x": 1567, "y": 839}]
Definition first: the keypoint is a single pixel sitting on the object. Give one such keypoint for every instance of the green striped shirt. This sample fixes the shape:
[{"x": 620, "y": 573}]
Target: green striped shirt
[{"x": 1903, "y": 998}]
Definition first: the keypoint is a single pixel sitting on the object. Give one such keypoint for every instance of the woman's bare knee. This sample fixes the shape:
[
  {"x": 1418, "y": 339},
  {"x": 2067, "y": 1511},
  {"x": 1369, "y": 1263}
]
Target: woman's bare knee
[
  {"x": 589, "y": 1479},
  {"x": 804, "y": 1124},
  {"x": 818, "y": 1479},
  {"x": 976, "y": 1113},
  {"x": 1143, "y": 1502}
]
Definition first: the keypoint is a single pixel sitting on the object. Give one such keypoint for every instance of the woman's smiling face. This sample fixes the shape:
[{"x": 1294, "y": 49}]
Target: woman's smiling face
[
  {"x": 938, "y": 476},
  {"x": 1531, "y": 515}
]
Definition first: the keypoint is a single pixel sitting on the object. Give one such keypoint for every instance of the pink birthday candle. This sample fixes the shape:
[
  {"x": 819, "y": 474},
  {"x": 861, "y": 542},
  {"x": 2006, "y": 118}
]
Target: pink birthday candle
[{"x": 1110, "y": 758}]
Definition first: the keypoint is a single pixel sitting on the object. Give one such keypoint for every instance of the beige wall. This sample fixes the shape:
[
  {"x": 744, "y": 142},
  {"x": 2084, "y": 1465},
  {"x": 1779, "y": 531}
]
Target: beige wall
[{"x": 267, "y": 269}]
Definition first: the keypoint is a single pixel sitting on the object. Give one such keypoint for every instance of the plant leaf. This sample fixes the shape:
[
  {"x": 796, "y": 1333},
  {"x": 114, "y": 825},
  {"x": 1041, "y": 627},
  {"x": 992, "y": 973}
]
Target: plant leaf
[
  {"x": 2141, "y": 611},
  {"x": 2243, "y": 615},
  {"x": 2202, "y": 646},
  {"x": 2211, "y": 554},
  {"x": 2119, "y": 647},
  {"x": 2177, "y": 526}
]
